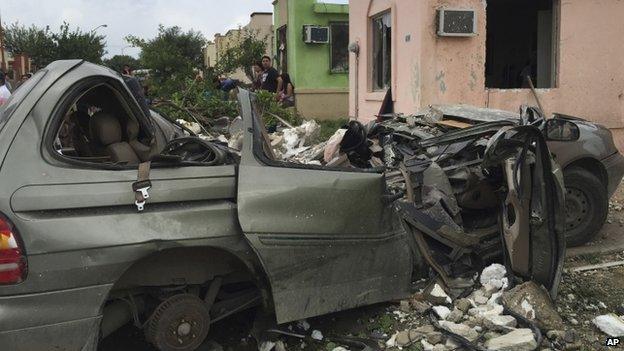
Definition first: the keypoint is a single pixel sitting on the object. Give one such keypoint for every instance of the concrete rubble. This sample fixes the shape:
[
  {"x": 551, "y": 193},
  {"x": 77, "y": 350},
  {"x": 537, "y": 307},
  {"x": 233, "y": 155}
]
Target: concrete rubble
[{"x": 610, "y": 324}]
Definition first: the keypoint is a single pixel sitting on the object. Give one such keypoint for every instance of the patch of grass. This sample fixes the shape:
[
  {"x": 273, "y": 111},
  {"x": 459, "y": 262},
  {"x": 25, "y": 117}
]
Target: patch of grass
[
  {"x": 415, "y": 347},
  {"x": 329, "y": 127},
  {"x": 591, "y": 258},
  {"x": 384, "y": 323}
]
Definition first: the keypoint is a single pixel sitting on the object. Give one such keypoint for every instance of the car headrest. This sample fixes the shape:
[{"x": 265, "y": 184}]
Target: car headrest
[
  {"x": 132, "y": 129},
  {"x": 106, "y": 128}
]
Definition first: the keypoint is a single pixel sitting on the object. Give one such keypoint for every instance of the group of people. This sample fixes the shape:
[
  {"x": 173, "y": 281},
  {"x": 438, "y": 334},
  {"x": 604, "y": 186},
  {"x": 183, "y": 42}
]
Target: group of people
[
  {"x": 268, "y": 78},
  {"x": 6, "y": 88}
]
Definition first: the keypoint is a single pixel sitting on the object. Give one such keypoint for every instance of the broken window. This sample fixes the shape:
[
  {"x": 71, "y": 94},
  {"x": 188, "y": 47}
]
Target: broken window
[
  {"x": 99, "y": 127},
  {"x": 521, "y": 37},
  {"x": 382, "y": 51},
  {"x": 340, "y": 47}
]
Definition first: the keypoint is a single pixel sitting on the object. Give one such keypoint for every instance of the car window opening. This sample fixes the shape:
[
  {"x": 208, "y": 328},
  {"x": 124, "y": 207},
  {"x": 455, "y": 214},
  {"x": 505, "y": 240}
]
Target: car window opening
[
  {"x": 520, "y": 43},
  {"x": 98, "y": 127}
]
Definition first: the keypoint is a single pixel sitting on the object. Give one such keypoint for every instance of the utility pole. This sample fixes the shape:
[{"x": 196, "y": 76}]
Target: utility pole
[{"x": 3, "y": 63}]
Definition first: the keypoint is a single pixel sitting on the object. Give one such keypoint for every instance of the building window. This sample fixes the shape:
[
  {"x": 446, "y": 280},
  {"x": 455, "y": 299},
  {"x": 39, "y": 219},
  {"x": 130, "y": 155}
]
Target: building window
[
  {"x": 382, "y": 51},
  {"x": 340, "y": 47},
  {"x": 521, "y": 42}
]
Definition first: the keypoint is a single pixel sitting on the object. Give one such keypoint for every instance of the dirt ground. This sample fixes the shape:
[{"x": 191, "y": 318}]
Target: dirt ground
[{"x": 582, "y": 297}]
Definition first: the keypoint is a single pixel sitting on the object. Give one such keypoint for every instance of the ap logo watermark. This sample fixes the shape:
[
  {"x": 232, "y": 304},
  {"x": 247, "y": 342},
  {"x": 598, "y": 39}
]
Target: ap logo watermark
[{"x": 612, "y": 342}]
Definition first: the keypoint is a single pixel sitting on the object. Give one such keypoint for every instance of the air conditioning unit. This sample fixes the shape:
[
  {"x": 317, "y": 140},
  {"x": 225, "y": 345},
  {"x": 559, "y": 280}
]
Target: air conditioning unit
[
  {"x": 315, "y": 34},
  {"x": 457, "y": 23}
]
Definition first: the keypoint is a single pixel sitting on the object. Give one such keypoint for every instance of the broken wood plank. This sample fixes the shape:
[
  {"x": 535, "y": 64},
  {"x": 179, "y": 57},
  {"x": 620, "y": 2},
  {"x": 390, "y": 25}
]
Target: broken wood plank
[
  {"x": 454, "y": 123},
  {"x": 598, "y": 266}
]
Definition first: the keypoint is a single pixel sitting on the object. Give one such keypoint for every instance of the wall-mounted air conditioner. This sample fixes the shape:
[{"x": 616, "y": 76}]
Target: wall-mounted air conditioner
[
  {"x": 457, "y": 23},
  {"x": 315, "y": 34}
]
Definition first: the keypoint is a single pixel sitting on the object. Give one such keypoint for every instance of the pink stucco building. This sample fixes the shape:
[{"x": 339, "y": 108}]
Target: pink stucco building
[{"x": 573, "y": 49}]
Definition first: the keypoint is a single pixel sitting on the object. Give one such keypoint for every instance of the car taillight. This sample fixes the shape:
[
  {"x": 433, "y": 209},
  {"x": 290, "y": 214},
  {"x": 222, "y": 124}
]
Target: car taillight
[{"x": 13, "y": 264}]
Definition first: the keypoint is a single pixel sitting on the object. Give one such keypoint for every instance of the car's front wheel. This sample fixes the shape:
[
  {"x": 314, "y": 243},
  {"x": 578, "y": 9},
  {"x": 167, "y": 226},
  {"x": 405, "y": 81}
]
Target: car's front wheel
[{"x": 586, "y": 205}]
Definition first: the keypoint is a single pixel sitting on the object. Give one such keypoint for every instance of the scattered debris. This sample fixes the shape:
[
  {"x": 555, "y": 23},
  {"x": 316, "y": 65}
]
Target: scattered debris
[
  {"x": 516, "y": 340},
  {"x": 317, "y": 335},
  {"x": 598, "y": 266},
  {"x": 437, "y": 295},
  {"x": 610, "y": 324},
  {"x": 192, "y": 126},
  {"x": 533, "y": 302}
]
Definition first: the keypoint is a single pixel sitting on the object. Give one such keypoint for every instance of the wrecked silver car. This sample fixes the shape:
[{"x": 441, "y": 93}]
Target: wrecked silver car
[{"x": 109, "y": 217}]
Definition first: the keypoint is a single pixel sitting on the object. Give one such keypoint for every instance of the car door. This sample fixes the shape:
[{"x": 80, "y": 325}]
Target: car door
[
  {"x": 532, "y": 216},
  {"x": 326, "y": 238}
]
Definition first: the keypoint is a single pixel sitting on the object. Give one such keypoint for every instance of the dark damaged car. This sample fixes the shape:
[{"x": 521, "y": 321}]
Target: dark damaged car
[
  {"x": 591, "y": 163},
  {"x": 112, "y": 216}
]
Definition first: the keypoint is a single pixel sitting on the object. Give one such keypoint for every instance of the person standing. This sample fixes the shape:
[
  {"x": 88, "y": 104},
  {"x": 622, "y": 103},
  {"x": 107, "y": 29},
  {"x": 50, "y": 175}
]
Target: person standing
[
  {"x": 5, "y": 94},
  {"x": 258, "y": 70},
  {"x": 270, "y": 77},
  {"x": 286, "y": 96}
]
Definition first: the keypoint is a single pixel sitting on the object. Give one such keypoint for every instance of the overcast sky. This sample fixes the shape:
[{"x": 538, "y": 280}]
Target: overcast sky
[{"x": 137, "y": 17}]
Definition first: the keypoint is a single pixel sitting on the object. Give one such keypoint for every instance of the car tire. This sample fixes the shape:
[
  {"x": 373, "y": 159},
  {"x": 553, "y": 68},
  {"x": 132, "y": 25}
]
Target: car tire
[{"x": 586, "y": 205}]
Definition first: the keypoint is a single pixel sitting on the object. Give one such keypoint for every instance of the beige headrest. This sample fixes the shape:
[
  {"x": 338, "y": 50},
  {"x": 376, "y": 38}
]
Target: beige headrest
[{"x": 105, "y": 128}]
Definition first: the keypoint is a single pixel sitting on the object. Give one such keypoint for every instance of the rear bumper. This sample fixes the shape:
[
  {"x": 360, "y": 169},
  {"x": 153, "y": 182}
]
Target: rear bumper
[
  {"x": 614, "y": 165},
  {"x": 54, "y": 320}
]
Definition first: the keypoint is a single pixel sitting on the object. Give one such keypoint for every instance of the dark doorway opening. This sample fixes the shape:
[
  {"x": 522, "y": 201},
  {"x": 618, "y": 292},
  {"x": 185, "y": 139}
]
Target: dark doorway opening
[
  {"x": 282, "y": 49},
  {"x": 521, "y": 38}
]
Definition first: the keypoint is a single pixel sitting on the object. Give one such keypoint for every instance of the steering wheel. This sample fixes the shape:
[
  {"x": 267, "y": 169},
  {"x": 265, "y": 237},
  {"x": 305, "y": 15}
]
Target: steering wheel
[{"x": 195, "y": 150}]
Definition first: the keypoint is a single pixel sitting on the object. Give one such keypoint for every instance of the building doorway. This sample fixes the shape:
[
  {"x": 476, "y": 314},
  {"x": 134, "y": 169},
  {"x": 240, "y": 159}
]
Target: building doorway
[{"x": 282, "y": 48}]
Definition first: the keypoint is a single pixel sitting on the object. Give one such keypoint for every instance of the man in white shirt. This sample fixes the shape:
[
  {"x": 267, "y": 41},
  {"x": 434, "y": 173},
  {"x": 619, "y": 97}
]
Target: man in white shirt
[{"x": 5, "y": 94}]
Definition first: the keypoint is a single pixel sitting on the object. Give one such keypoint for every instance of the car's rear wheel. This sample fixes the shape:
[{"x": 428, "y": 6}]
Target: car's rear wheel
[
  {"x": 586, "y": 205},
  {"x": 180, "y": 323}
]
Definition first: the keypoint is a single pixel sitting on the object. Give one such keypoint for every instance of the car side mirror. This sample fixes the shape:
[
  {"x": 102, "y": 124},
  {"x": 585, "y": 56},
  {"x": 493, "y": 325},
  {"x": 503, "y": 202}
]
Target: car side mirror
[{"x": 561, "y": 130}]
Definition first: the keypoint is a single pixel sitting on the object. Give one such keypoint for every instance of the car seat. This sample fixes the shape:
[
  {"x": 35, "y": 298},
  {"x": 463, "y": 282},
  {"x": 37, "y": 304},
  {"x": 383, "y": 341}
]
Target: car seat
[{"x": 106, "y": 129}]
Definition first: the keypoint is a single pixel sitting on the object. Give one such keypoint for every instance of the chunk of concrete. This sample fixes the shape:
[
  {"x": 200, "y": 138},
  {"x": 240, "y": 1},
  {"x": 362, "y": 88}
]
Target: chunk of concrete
[
  {"x": 460, "y": 329},
  {"x": 442, "y": 311},
  {"x": 486, "y": 310},
  {"x": 494, "y": 276},
  {"x": 529, "y": 299},
  {"x": 437, "y": 295},
  {"x": 455, "y": 316},
  {"x": 517, "y": 340},
  {"x": 463, "y": 305},
  {"x": 610, "y": 324},
  {"x": 500, "y": 322}
]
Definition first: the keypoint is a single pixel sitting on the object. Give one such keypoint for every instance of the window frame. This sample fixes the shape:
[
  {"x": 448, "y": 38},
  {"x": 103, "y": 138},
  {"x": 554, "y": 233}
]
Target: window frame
[
  {"x": 555, "y": 64},
  {"x": 69, "y": 98},
  {"x": 373, "y": 70},
  {"x": 332, "y": 70}
]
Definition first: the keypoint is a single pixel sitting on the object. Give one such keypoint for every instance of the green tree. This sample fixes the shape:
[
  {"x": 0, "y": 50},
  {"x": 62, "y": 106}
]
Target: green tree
[
  {"x": 76, "y": 44},
  {"x": 117, "y": 62},
  {"x": 32, "y": 41},
  {"x": 172, "y": 56},
  {"x": 44, "y": 46},
  {"x": 248, "y": 48}
]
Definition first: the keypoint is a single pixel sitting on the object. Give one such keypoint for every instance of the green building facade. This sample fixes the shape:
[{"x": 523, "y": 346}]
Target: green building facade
[{"x": 319, "y": 70}]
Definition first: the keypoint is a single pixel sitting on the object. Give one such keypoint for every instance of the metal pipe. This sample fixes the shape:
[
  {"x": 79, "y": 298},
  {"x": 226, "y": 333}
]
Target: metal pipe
[{"x": 117, "y": 314}]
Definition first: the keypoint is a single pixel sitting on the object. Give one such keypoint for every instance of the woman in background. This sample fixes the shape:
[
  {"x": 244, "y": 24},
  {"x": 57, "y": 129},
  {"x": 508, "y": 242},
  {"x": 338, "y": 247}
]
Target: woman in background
[{"x": 286, "y": 96}]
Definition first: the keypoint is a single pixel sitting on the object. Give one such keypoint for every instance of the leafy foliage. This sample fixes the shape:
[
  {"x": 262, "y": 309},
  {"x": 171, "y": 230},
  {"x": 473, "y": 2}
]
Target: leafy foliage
[
  {"x": 75, "y": 44},
  {"x": 44, "y": 46},
  {"x": 172, "y": 56},
  {"x": 247, "y": 49},
  {"x": 117, "y": 62},
  {"x": 202, "y": 99},
  {"x": 270, "y": 107}
]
